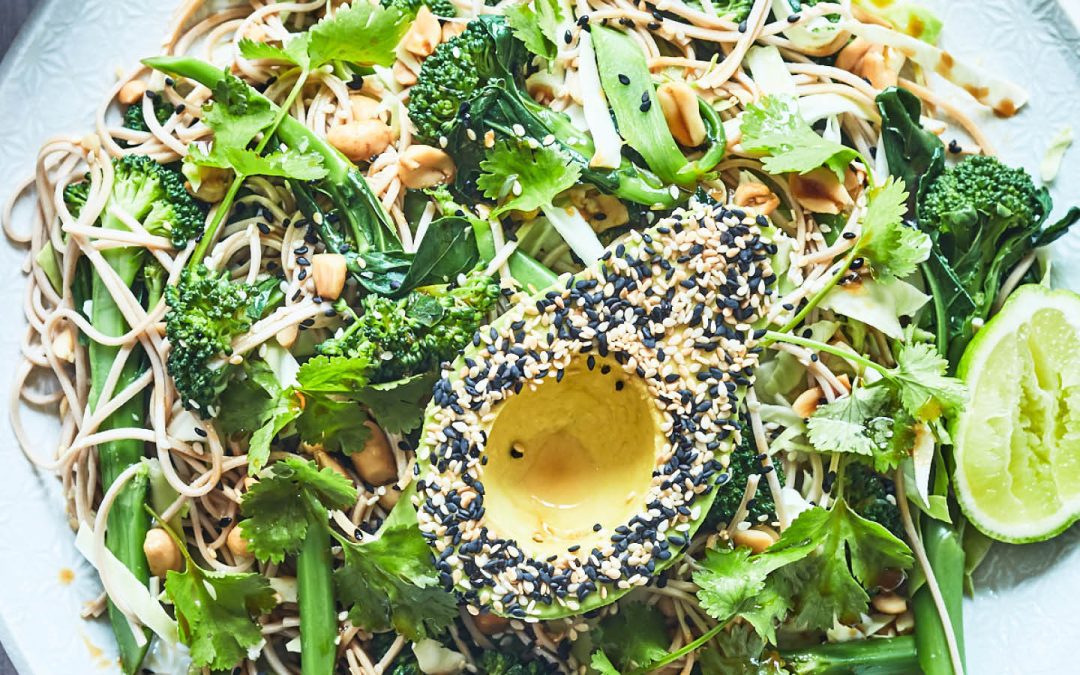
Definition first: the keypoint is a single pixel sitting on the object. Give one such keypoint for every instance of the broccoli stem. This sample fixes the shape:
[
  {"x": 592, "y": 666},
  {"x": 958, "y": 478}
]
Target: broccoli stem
[
  {"x": 315, "y": 594},
  {"x": 946, "y": 555},
  {"x": 873, "y": 656},
  {"x": 127, "y": 523}
]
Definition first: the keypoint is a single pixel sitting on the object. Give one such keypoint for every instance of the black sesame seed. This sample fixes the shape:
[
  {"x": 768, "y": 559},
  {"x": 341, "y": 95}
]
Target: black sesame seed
[{"x": 624, "y": 79}]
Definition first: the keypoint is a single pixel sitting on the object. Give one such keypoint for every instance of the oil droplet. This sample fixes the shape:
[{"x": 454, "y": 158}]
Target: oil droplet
[{"x": 66, "y": 576}]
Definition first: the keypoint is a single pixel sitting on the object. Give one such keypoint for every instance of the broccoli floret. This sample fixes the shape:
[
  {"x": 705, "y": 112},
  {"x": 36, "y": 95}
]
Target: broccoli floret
[
  {"x": 444, "y": 8},
  {"x": 474, "y": 84},
  {"x": 206, "y": 312},
  {"x": 75, "y": 196},
  {"x": 133, "y": 114},
  {"x": 868, "y": 493},
  {"x": 154, "y": 195},
  {"x": 506, "y": 663},
  {"x": 983, "y": 217},
  {"x": 743, "y": 462},
  {"x": 420, "y": 331}
]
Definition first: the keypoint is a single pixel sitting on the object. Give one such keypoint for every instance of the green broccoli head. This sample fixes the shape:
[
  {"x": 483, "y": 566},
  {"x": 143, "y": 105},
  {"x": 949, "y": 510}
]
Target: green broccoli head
[
  {"x": 457, "y": 70},
  {"x": 980, "y": 192},
  {"x": 872, "y": 496},
  {"x": 419, "y": 331},
  {"x": 75, "y": 195},
  {"x": 133, "y": 114},
  {"x": 444, "y": 8},
  {"x": 207, "y": 311},
  {"x": 743, "y": 462},
  {"x": 154, "y": 195}
]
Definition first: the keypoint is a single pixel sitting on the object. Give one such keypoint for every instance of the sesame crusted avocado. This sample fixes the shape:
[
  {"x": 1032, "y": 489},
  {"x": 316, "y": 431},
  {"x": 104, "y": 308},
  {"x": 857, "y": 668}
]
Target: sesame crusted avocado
[{"x": 575, "y": 447}]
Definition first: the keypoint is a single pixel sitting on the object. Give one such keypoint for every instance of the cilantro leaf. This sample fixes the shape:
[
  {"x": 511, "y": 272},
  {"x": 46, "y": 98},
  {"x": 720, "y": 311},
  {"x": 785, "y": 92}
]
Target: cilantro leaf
[
  {"x": 284, "y": 411},
  {"x": 236, "y": 114},
  {"x": 869, "y": 421},
  {"x": 736, "y": 651},
  {"x": 602, "y": 664},
  {"x": 635, "y": 638},
  {"x": 337, "y": 425},
  {"x": 391, "y": 581},
  {"x": 362, "y": 33},
  {"x": 847, "y": 554},
  {"x": 280, "y": 507},
  {"x": 537, "y": 25},
  {"x": 216, "y": 612},
  {"x": 530, "y": 177},
  {"x": 924, "y": 389},
  {"x": 893, "y": 248},
  {"x": 294, "y": 50},
  {"x": 333, "y": 375},
  {"x": 396, "y": 406},
  {"x": 286, "y": 163},
  {"x": 775, "y": 128}
]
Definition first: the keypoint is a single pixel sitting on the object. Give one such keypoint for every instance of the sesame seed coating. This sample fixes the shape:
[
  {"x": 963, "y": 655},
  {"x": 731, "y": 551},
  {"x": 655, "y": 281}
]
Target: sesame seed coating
[{"x": 674, "y": 308}]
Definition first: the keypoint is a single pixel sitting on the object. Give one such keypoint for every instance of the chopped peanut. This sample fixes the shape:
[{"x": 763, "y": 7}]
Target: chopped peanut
[
  {"x": 375, "y": 462},
  {"x": 329, "y": 271},
  {"x": 680, "y": 106},
  {"x": 423, "y": 166},
  {"x": 162, "y": 553}
]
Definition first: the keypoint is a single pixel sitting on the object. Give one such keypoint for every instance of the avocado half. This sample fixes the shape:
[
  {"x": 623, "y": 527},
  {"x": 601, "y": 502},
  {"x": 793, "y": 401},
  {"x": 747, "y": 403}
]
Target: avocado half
[{"x": 575, "y": 447}]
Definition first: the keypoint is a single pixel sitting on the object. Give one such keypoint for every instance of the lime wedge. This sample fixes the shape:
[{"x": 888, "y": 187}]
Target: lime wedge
[{"x": 1017, "y": 443}]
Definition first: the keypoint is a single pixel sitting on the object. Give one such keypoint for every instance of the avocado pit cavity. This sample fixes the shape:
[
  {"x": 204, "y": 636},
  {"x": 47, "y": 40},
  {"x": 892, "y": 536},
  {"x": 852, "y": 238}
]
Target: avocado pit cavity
[{"x": 566, "y": 455}]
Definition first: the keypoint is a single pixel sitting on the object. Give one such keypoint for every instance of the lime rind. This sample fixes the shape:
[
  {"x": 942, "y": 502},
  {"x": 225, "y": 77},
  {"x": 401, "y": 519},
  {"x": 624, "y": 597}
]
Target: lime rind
[{"x": 1017, "y": 443}]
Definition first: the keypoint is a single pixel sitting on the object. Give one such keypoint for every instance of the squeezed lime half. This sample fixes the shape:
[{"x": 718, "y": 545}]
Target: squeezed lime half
[{"x": 1017, "y": 443}]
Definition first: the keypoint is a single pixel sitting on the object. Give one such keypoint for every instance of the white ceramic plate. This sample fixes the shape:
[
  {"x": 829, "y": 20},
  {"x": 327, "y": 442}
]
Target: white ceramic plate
[{"x": 1023, "y": 619}]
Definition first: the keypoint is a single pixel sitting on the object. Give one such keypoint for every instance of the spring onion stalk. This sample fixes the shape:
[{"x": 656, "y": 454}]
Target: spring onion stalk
[
  {"x": 873, "y": 656},
  {"x": 315, "y": 594},
  {"x": 946, "y": 557},
  {"x": 128, "y": 523}
]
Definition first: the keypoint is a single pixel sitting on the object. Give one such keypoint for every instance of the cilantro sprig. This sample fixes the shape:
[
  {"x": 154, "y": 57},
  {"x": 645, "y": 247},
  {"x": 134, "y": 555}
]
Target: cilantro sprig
[
  {"x": 217, "y": 612},
  {"x": 391, "y": 581}
]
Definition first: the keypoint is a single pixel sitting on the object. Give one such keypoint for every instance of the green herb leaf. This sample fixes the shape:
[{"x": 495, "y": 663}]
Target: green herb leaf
[
  {"x": 924, "y": 389},
  {"x": 361, "y": 33},
  {"x": 635, "y": 638},
  {"x": 775, "y": 128},
  {"x": 294, "y": 51},
  {"x": 391, "y": 581},
  {"x": 333, "y": 375},
  {"x": 893, "y": 248},
  {"x": 284, "y": 411},
  {"x": 278, "y": 508},
  {"x": 602, "y": 664},
  {"x": 527, "y": 178},
  {"x": 286, "y": 163},
  {"x": 860, "y": 423},
  {"x": 216, "y": 613},
  {"x": 398, "y": 406},
  {"x": 236, "y": 114},
  {"x": 536, "y": 24},
  {"x": 335, "y": 424}
]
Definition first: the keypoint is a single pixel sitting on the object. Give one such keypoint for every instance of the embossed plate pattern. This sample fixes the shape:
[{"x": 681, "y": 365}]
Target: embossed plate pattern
[{"x": 1023, "y": 618}]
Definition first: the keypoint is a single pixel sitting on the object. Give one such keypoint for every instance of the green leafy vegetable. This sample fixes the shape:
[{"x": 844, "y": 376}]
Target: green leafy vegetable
[
  {"x": 217, "y": 612},
  {"x": 775, "y": 128},
  {"x": 893, "y": 248},
  {"x": 391, "y": 581},
  {"x": 536, "y": 24},
  {"x": 280, "y": 507}
]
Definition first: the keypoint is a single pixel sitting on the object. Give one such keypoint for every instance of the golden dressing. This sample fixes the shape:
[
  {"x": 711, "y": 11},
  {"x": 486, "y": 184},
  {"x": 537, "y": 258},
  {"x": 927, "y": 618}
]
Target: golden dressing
[{"x": 568, "y": 455}]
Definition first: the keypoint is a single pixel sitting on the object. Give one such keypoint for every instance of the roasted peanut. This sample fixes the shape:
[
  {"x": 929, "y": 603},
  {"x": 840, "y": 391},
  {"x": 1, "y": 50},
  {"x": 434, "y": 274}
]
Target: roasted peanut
[
  {"x": 850, "y": 56},
  {"x": 819, "y": 191},
  {"x": 680, "y": 106},
  {"x": 326, "y": 461},
  {"x": 162, "y": 553},
  {"x": 360, "y": 140},
  {"x": 132, "y": 92},
  {"x": 452, "y": 29},
  {"x": 328, "y": 270},
  {"x": 889, "y": 603},
  {"x": 237, "y": 544},
  {"x": 424, "y": 34},
  {"x": 602, "y": 211},
  {"x": 756, "y": 196},
  {"x": 363, "y": 107},
  {"x": 63, "y": 345},
  {"x": 286, "y": 337},
  {"x": 403, "y": 74},
  {"x": 423, "y": 166},
  {"x": 807, "y": 402},
  {"x": 390, "y": 498},
  {"x": 490, "y": 624},
  {"x": 375, "y": 462},
  {"x": 757, "y": 540}
]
